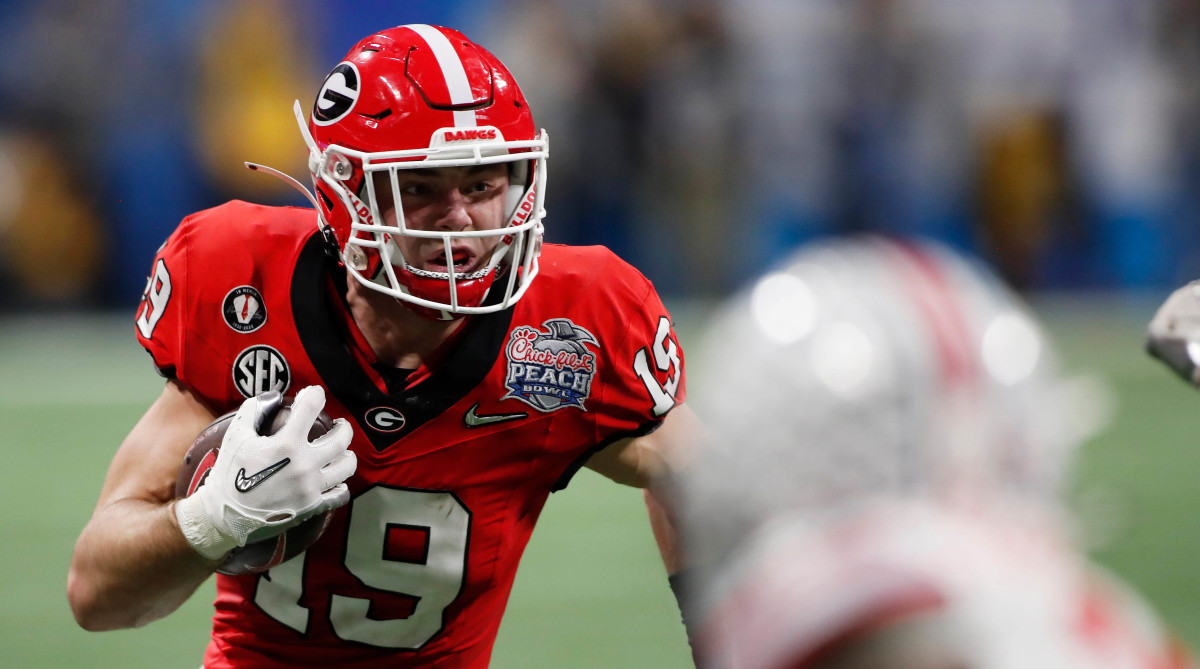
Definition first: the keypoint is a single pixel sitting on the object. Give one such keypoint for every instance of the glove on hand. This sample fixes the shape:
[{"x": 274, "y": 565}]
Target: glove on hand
[{"x": 260, "y": 485}]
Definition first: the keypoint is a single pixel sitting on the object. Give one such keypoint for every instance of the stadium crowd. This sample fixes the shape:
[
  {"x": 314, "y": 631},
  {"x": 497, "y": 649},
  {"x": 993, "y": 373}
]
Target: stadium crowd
[{"x": 1055, "y": 138}]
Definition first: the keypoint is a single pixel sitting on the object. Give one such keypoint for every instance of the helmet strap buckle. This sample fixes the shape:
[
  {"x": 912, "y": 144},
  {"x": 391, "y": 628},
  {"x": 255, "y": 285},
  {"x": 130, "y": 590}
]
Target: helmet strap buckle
[{"x": 329, "y": 241}]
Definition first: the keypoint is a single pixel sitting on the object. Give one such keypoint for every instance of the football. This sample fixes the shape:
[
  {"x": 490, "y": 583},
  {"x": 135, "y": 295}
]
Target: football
[{"x": 258, "y": 556}]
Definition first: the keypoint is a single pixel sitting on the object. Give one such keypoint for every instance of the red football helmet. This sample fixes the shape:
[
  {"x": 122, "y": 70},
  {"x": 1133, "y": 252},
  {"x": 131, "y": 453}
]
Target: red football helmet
[{"x": 421, "y": 97}]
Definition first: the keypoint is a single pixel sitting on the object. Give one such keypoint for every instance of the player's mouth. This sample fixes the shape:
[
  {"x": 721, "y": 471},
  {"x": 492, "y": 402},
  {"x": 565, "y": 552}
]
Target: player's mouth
[{"x": 465, "y": 261}]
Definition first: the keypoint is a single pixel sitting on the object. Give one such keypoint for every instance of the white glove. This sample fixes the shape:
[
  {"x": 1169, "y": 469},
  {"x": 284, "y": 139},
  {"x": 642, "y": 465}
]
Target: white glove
[{"x": 260, "y": 486}]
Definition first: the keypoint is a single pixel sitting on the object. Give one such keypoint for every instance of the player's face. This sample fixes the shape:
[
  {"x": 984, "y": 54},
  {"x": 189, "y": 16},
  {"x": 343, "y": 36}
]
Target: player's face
[{"x": 447, "y": 199}]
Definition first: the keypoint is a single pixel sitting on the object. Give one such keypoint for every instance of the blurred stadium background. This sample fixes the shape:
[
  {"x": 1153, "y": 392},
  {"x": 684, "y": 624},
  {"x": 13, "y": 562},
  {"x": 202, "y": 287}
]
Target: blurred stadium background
[{"x": 1058, "y": 140}]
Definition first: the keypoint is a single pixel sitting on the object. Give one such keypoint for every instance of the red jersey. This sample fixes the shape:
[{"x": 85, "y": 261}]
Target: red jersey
[{"x": 454, "y": 461}]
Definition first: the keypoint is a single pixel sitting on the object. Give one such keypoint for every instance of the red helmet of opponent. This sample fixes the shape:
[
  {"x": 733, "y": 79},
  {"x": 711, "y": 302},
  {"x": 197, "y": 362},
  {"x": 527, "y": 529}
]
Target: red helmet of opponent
[{"x": 424, "y": 97}]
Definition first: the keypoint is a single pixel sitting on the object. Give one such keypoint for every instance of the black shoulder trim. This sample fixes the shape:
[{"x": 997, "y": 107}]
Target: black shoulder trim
[
  {"x": 578, "y": 463},
  {"x": 167, "y": 373},
  {"x": 386, "y": 418}
]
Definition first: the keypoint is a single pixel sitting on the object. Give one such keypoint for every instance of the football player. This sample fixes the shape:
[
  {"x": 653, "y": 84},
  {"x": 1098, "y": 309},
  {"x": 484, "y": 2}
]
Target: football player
[
  {"x": 889, "y": 436},
  {"x": 470, "y": 368}
]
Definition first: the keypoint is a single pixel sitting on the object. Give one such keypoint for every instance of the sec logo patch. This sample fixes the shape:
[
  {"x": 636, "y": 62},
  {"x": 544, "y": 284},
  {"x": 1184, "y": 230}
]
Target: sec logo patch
[
  {"x": 260, "y": 369},
  {"x": 243, "y": 309}
]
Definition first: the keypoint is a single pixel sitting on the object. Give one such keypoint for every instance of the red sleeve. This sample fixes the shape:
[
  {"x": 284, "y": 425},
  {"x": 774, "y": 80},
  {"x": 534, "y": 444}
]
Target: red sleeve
[
  {"x": 179, "y": 321},
  {"x": 161, "y": 322},
  {"x": 643, "y": 375}
]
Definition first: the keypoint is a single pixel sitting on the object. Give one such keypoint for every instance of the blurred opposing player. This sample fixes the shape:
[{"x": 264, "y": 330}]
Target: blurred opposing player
[
  {"x": 1174, "y": 333},
  {"x": 889, "y": 435},
  {"x": 406, "y": 305}
]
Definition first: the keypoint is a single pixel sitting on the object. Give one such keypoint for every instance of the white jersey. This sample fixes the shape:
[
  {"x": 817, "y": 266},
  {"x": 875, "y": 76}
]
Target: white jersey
[{"x": 974, "y": 591}]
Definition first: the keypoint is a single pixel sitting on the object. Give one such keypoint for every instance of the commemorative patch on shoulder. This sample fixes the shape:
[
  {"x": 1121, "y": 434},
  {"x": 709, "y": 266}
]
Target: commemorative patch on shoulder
[
  {"x": 550, "y": 369},
  {"x": 243, "y": 309}
]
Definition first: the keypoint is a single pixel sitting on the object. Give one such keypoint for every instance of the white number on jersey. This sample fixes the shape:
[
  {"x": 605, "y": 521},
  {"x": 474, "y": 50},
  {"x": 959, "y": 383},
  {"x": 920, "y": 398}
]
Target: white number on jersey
[
  {"x": 435, "y": 582},
  {"x": 154, "y": 299},
  {"x": 666, "y": 359}
]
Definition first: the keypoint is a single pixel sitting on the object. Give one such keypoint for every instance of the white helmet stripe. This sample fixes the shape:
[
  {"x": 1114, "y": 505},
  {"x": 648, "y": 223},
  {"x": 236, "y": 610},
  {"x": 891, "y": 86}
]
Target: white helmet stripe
[{"x": 452, "y": 70}]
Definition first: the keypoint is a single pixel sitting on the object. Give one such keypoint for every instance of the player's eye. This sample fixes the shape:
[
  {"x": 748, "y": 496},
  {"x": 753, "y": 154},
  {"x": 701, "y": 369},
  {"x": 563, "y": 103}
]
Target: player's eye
[
  {"x": 483, "y": 187},
  {"x": 415, "y": 189}
]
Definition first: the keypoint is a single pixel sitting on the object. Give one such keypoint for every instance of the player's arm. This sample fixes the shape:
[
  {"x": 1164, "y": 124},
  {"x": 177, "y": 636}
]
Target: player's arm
[
  {"x": 142, "y": 554},
  {"x": 642, "y": 461},
  {"x": 646, "y": 462},
  {"x": 131, "y": 563}
]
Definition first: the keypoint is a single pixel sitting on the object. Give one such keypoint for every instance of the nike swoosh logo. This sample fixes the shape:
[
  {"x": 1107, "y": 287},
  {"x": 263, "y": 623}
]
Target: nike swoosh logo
[
  {"x": 245, "y": 483},
  {"x": 473, "y": 419}
]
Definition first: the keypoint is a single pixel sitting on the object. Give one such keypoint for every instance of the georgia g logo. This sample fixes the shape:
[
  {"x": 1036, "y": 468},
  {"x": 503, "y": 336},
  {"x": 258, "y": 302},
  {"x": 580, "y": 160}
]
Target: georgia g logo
[
  {"x": 338, "y": 94},
  {"x": 384, "y": 419}
]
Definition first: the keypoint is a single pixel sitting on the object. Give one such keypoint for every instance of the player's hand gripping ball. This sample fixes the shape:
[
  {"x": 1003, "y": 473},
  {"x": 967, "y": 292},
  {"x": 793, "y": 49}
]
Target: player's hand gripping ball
[{"x": 256, "y": 556}]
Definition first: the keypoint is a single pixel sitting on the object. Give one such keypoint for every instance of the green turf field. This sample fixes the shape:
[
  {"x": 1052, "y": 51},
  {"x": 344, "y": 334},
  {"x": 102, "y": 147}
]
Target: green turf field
[{"x": 591, "y": 592}]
